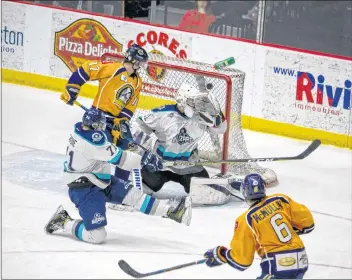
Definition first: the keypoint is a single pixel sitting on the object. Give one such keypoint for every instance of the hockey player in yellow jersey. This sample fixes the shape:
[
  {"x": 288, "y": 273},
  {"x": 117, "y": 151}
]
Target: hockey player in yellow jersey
[
  {"x": 271, "y": 227},
  {"x": 119, "y": 86},
  {"x": 117, "y": 96}
]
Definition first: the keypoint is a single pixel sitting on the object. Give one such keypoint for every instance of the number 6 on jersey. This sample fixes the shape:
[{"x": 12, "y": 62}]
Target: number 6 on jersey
[{"x": 281, "y": 229}]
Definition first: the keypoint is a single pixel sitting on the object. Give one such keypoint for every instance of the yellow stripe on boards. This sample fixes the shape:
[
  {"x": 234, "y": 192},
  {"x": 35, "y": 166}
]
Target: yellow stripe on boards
[
  {"x": 147, "y": 102},
  {"x": 58, "y": 84},
  {"x": 295, "y": 131}
]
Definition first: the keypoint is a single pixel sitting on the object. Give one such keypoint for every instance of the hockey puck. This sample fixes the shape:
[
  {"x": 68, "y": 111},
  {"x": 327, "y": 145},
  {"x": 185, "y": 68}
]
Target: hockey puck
[{"x": 209, "y": 86}]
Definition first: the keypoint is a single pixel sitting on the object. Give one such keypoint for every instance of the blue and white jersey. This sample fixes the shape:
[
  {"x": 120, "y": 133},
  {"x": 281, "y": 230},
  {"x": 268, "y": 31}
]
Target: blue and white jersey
[
  {"x": 177, "y": 135},
  {"x": 90, "y": 154}
]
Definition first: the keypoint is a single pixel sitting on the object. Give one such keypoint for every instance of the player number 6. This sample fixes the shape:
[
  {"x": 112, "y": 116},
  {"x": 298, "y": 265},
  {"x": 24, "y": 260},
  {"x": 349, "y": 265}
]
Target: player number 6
[{"x": 280, "y": 229}]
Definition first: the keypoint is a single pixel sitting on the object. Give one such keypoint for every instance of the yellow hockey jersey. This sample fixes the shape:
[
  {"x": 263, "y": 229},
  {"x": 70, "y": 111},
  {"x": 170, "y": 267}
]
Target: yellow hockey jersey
[
  {"x": 270, "y": 226},
  {"x": 118, "y": 92}
]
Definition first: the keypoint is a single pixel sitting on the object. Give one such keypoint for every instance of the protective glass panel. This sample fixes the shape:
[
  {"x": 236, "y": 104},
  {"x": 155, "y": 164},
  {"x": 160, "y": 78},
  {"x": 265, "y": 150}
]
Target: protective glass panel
[
  {"x": 228, "y": 18},
  {"x": 324, "y": 26},
  {"x": 111, "y": 8}
]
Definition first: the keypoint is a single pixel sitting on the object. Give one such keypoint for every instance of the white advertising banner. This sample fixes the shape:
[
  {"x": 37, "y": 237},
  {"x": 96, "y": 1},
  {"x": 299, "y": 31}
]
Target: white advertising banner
[
  {"x": 307, "y": 90},
  {"x": 14, "y": 37}
]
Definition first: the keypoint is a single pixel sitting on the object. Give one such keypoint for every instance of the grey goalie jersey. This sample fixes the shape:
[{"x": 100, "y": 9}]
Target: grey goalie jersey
[{"x": 177, "y": 135}]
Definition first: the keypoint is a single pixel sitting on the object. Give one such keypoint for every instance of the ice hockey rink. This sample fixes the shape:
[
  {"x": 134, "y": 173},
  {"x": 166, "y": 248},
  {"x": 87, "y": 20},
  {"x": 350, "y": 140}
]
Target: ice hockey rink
[{"x": 35, "y": 129}]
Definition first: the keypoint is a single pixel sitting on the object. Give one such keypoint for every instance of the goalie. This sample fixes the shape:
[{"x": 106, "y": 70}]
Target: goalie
[{"x": 178, "y": 129}]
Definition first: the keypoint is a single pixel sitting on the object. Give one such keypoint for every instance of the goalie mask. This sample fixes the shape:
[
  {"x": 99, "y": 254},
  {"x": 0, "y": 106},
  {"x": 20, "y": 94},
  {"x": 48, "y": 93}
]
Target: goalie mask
[
  {"x": 185, "y": 99},
  {"x": 203, "y": 106}
]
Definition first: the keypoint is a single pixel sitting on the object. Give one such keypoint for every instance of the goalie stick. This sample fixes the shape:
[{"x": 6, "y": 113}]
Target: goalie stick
[
  {"x": 311, "y": 148},
  {"x": 125, "y": 267}
]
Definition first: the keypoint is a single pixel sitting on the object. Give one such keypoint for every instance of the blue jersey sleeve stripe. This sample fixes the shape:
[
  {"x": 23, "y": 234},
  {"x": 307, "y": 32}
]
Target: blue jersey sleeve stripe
[
  {"x": 304, "y": 230},
  {"x": 119, "y": 71},
  {"x": 125, "y": 113},
  {"x": 76, "y": 78},
  {"x": 172, "y": 156},
  {"x": 83, "y": 74},
  {"x": 103, "y": 176},
  {"x": 233, "y": 263},
  {"x": 116, "y": 159}
]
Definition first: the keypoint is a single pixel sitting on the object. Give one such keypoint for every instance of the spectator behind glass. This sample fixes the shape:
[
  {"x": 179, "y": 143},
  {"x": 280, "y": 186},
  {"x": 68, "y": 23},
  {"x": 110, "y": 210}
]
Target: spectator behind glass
[{"x": 198, "y": 20}]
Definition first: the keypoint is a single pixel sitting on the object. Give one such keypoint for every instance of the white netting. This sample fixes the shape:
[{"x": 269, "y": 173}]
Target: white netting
[{"x": 164, "y": 75}]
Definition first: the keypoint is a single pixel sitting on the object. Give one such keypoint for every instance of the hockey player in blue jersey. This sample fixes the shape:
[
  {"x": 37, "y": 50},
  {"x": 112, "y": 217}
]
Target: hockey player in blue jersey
[
  {"x": 179, "y": 128},
  {"x": 87, "y": 173}
]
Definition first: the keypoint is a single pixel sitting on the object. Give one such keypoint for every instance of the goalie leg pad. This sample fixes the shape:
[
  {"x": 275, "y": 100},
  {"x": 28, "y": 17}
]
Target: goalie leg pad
[
  {"x": 185, "y": 180},
  {"x": 145, "y": 203},
  {"x": 209, "y": 194}
]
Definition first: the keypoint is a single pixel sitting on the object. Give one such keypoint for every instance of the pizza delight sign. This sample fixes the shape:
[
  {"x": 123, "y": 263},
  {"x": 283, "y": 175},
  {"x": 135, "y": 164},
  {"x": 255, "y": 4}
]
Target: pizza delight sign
[{"x": 84, "y": 39}]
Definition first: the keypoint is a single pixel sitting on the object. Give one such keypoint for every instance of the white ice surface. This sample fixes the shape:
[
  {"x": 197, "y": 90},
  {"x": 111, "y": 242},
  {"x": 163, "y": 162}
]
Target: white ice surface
[{"x": 37, "y": 119}]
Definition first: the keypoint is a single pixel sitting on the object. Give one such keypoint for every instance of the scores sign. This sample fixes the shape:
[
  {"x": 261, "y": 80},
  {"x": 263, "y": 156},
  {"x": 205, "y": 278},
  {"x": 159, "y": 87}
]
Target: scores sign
[
  {"x": 159, "y": 43},
  {"x": 161, "y": 39}
]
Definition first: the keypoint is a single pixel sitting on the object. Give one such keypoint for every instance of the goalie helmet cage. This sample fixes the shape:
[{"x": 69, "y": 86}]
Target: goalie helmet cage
[{"x": 164, "y": 75}]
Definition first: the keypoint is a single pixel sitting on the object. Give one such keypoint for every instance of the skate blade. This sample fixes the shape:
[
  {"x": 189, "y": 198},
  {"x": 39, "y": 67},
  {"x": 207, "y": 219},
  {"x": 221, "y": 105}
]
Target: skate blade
[
  {"x": 187, "y": 216},
  {"x": 46, "y": 230}
]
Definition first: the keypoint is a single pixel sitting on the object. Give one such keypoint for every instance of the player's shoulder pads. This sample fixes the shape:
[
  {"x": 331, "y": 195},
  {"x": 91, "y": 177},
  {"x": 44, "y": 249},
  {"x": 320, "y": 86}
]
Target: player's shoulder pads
[{"x": 93, "y": 137}]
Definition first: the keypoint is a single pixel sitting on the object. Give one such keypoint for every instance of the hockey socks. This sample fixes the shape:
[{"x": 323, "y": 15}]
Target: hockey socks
[{"x": 77, "y": 229}]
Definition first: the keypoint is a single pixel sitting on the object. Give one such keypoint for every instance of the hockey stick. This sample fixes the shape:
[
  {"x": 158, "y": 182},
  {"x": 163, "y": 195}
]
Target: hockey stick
[
  {"x": 223, "y": 182},
  {"x": 80, "y": 105},
  {"x": 311, "y": 148},
  {"x": 130, "y": 271}
]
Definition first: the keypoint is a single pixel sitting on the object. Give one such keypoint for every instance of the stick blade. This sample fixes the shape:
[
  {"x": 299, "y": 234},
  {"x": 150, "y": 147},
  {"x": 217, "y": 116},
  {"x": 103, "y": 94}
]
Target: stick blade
[
  {"x": 125, "y": 267},
  {"x": 311, "y": 148}
]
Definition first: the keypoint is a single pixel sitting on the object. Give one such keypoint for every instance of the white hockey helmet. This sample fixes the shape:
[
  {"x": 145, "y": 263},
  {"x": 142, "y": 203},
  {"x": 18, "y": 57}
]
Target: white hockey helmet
[
  {"x": 185, "y": 98},
  {"x": 202, "y": 105}
]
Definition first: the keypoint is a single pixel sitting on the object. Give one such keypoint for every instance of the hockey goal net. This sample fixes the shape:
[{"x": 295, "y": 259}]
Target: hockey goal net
[{"x": 164, "y": 75}]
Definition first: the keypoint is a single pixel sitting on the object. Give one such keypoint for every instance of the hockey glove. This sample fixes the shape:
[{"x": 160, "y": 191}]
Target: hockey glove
[
  {"x": 71, "y": 93},
  {"x": 215, "y": 256},
  {"x": 121, "y": 129},
  {"x": 151, "y": 162}
]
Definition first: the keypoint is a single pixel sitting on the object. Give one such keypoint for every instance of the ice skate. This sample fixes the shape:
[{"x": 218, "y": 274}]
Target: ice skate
[
  {"x": 57, "y": 221},
  {"x": 180, "y": 210}
]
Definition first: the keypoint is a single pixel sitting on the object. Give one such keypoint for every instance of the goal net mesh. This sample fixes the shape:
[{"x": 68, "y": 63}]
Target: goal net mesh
[{"x": 164, "y": 75}]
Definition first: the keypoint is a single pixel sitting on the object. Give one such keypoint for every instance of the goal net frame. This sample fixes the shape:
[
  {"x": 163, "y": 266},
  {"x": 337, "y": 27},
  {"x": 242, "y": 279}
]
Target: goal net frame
[{"x": 200, "y": 69}]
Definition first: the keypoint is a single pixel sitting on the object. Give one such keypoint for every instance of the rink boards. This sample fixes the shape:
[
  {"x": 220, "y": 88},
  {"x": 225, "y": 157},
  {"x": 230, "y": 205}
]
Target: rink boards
[{"x": 287, "y": 92}]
